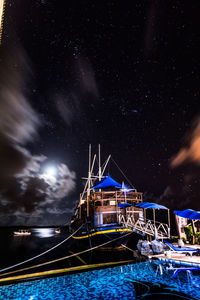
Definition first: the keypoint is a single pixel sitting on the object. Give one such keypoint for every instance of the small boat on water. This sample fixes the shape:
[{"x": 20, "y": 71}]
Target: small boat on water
[
  {"x": 57, "y": 231},
  {"x": 101, "y": 202},
  {"x": 22, "y": 232}
]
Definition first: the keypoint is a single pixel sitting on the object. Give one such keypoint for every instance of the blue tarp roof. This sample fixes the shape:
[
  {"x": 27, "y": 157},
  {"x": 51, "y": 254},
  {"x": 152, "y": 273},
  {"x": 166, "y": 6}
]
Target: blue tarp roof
[
  {"x": 151, "y": 205},
  {"x": 124, "y": 205},
  {"x": 188, "y": 213},
  {"x": 107, "y": 182},
  {"x": 195, "y": 215}
]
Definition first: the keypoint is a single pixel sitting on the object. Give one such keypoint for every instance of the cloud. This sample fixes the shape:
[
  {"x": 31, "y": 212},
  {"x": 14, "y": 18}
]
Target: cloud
[
  {"x": 58, "y": 188},
  {"x": 24, "y": 194},
  {"x": 41, "y": 188},
  {"x": 18, "y": 120},
  {"x": 83, "y": 91},
  {"x": 180, "y": 197},
  {"x": 38, "y": 199},
  {"x": 191, "y": 152},
  {"x": 183, "y": 190},
  {"x": 68, "y": 107},
  {"x": 18, "y": 123},
  {"x": 86, "y": 77},
  {"x": 155, "y": 17}
]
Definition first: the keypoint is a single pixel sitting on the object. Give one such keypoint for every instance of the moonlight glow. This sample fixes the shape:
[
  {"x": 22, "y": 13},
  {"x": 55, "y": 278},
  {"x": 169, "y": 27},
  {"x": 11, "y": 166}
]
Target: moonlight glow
[{"x": 50, "y": 173}]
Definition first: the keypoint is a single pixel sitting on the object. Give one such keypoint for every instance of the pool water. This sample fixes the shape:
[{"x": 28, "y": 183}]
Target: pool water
[{"x": 133, "y": 281}]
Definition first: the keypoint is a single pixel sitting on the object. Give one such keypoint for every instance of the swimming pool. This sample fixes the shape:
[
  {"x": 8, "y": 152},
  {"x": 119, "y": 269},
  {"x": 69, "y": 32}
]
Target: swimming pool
[{"x": 134, "y": 281}]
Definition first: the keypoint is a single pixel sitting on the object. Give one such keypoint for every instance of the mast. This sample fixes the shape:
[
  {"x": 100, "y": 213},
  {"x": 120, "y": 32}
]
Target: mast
[
  {"x": 99, "y": 163},
  {"x": 89, "y": 178},
  {"x": 106, "y": 163}
]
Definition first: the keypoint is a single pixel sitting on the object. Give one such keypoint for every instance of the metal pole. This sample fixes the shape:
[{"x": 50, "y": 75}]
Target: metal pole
[
  {"x": 168, "y": 218},
  {"x": 89, "y": 176},
  {"x": 99, "y": 163},
  {"x": 89, "y": 161},
  {"x": 168, "y": 212},
  {"x": 154, "y": 221},
  {"x": 105, "y": 165},
  {"x": 178, "y": 227},
  {"x": 194, "y": 230}
]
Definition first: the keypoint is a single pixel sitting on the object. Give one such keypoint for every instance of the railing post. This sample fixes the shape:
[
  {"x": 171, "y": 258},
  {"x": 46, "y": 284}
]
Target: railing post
[
  {"x": 156, "y": 233},
  {"x": 119, "y": 218},
  {"x": 169, "y": 232}
]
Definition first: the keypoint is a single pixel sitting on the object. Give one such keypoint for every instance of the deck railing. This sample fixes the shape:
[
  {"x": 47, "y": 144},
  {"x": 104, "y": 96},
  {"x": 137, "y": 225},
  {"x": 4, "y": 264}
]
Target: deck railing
[{"x": 145, "y": 227}]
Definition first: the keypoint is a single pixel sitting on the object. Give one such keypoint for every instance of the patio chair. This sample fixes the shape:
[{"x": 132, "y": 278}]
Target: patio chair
[{"x": 188, "y": 251}]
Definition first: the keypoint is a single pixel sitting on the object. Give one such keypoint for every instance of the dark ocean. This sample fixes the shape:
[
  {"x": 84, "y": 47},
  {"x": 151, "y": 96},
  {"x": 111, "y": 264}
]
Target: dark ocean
[{"x": 15, "y": 249}]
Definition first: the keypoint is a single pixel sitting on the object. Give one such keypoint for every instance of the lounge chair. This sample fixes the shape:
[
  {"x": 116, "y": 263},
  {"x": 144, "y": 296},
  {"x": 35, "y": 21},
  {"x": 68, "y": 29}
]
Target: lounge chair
[
  {"x": 178, "y": 270},
  {"x": 181, "y": 250}
]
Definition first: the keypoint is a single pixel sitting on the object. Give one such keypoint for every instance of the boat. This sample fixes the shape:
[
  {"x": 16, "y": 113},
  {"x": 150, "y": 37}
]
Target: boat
[
  {"x": 57, "y": 231},
  {"x": 101, "y": 202},
  {"x": 21, "y": 232}
]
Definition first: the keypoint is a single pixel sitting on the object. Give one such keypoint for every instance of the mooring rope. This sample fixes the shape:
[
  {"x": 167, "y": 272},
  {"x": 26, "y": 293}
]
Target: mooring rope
[
  {"x": 39, "y": 255},
  {"x": 65, "y": 257},
  {"x": 128, "y": 248},
  {"x": 124, "y": 246}
]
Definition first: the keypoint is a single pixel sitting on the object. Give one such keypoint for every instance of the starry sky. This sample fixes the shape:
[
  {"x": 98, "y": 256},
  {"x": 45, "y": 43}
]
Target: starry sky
[{"x": 122, "y": 74}]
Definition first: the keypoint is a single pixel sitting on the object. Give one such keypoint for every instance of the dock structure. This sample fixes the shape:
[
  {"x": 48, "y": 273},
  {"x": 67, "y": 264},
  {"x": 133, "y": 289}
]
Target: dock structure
[{"x": 139, "y": 224}]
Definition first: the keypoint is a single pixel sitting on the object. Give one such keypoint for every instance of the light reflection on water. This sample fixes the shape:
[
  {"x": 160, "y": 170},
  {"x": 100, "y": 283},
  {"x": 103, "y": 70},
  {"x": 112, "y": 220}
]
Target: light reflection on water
[{"x": 44, "y": 232}]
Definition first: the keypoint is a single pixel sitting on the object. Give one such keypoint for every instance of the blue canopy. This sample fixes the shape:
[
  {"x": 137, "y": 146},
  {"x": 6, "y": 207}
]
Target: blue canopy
[
  {"x": 195, "y": 215},
  {"x": 142, "y": 203},
  {"x": 151, "y": 205},
  {"x": 124, "y": 205},
  {"x": 188, "y": 213},
  {"x": 107, "y": 182}
]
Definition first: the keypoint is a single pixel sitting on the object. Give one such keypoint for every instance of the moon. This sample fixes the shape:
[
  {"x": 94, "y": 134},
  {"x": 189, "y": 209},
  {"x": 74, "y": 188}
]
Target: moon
[{"x": 49, "y": 173}]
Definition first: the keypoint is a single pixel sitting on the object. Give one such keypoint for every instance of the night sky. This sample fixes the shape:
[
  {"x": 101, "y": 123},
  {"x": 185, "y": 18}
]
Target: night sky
[{"x": 122, "y": 74}]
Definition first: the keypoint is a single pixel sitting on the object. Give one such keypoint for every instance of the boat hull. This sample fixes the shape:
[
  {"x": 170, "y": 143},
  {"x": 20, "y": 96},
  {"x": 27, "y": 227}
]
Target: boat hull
[
  {"x": 22, "y": 233},
  {"x": 103, "y": 238}
]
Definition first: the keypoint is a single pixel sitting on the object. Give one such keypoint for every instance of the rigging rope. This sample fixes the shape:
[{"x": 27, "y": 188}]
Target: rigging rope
[
  {"x": 65, "y": 257},
  {"x": 39, "y": 255},
  {"x": 122, "y": 244},
  {"x": 122, "y": 173},
  {"x": 128, "y": 248}
]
